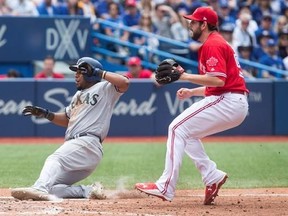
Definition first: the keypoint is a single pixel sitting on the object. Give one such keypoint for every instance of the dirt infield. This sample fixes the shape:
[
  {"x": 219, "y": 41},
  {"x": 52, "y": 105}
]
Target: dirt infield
[
  {"x": 261, "y": 202},
  {"x": 231, "y": 202}
]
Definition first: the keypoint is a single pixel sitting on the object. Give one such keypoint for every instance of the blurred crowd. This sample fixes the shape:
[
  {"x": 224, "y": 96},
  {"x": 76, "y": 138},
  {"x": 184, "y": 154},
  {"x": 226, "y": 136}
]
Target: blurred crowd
[{"x": 256, "y": 29}]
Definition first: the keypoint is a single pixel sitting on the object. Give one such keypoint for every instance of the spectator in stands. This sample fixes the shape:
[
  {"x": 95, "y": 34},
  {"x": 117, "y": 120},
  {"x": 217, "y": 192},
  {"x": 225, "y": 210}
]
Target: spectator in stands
[
  {"x": 280, "y": 24},
  {"x": 258, "y": 8},
  {"x": 69, "y": 7},
  {"x": 266, "y": 25},
  {"x": 283, "y": 43},
  {"x": 23, "y": 8},
  {"x": 48, "y": 8},
  {"x": 165, "y": 16},
  {"x": 12, "y": 73},
  {"x": 132, "y": 16},
  {"x": 262, "y": 39},
  {"x": 102, "y": 8},
  {"x": 147, "y": 43},
  {"x": 226, "y": 13},
  {"x": 48, "y": 70},
  {"x": 226, "y": 30},
  {"x": 252, "y": 26},
  {"x": 180, "y": 32},
  {"x": 179, "y": 28},
  {"x": 117, "y": 33},
  {"x": 245, "y": 3},
  {"x": 146, "y": 6},
  {"x": 214, "y": 4},
  {"x": 87, "y": 9},
  {"x": 135, "y": 69},
  {"x": 4, "y": 8},
  {"x": 241, "y": 35},
  {"x": 177, "y": 5},
  {"x": 246, "y": 52},
  {"x": 271, "y": 59}
]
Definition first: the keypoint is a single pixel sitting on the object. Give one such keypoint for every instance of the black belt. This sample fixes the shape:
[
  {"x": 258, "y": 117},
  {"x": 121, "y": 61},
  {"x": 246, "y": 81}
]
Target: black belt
[{"x": 84, "y": 134}]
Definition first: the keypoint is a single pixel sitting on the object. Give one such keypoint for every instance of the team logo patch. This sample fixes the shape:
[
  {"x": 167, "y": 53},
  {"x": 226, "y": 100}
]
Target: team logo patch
[{"x": 212, "y": 62}]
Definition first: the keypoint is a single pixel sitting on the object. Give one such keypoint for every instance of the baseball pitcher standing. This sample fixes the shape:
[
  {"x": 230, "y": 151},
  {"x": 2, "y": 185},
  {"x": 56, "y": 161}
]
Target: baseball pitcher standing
[
  {"x": 87, "y": 119},
  {"x": 224, "y": 106}
]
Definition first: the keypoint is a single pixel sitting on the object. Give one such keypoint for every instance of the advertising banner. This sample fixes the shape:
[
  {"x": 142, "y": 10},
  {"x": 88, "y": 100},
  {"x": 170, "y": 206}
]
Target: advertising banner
[
  {"x": 144, "y": 110},
  {"x": 32, "y": 38}
]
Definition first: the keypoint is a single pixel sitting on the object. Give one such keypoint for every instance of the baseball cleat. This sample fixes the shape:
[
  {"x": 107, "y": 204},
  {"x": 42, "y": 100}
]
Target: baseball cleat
[
  {"x": 32, "y": 194},
  {"x": 151, "y": 189},
  {"x": 212, "y": 191},
  {"x": 97, "y": 191}
]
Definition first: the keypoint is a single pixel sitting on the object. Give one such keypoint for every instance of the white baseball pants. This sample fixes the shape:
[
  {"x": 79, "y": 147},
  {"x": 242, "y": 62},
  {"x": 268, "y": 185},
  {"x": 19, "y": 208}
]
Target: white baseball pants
[
  {"x": 75, "y": 160},
  {"x": 211, "y": 115}
]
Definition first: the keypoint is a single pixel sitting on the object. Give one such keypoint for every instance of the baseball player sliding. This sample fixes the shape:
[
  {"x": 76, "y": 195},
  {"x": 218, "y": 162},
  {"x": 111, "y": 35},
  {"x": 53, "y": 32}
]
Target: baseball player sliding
[
  {"x": 224, "y": 106},
  {"x": 87, "y": 119}
]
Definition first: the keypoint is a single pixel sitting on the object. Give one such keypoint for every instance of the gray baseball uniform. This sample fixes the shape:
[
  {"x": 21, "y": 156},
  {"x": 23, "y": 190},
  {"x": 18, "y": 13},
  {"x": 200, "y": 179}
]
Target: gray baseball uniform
[{"x": 89, "y": 116}]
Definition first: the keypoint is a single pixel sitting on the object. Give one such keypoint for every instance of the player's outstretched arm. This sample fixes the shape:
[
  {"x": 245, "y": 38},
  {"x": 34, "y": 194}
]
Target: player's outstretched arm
[
  {"x": 119, "y": 81},
  {"x": 57, "y": 118},
  {"x": 60, "y": 119},
  {"x": 204, "y": 80}
]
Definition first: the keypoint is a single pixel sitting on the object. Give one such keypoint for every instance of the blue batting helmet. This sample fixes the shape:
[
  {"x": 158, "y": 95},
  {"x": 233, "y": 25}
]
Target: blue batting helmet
[{"x": 89, "y": 67}]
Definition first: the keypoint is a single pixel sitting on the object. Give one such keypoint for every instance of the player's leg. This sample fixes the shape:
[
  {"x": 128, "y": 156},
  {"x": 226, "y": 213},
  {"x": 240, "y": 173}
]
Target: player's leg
[
  {"x": 207, "y": 168},
  {"x": 179, "y": 131},
  {"x": 173, "y": 160},
  {"x": 218, "y": 114},
  {"x": 226, "y": 114},
  {"x": 208, "y": 116},
  {"x": 64, "y": 187},
  {"x": 73, "y": 161}
]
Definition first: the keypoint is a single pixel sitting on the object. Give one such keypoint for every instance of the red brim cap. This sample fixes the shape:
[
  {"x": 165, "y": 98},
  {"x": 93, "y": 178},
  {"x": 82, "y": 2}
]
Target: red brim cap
[
  {"x": 191, "y": 17},
  {"x": 204, "y": 14}
]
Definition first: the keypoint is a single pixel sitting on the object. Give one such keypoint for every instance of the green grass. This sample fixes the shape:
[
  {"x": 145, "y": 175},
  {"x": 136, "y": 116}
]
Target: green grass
[{"x": 249, "y": 165}]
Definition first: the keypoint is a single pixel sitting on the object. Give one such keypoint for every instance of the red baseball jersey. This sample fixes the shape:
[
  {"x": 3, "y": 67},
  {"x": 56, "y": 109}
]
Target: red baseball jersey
[{"x": 217, "y": 58}]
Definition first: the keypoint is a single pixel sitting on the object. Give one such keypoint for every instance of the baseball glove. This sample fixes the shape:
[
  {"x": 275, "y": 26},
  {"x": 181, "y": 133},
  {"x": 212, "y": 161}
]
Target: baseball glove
[
  {"x": 38, "y": 112},
  {"x": 168, "y": 71}
]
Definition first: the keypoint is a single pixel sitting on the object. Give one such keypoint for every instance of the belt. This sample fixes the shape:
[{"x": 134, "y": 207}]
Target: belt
[
  {"x": 84, "y": 134},
  {"x": 239, "y": 92}
]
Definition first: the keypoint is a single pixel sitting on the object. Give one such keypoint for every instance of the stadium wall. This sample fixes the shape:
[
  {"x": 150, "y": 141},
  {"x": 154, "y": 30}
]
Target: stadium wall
[{"x": 144, "y": 110}]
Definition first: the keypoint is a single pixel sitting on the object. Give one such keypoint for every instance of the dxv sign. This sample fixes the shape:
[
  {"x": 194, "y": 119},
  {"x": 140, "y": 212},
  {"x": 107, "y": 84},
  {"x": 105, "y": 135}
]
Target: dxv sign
[
  {"x": 60, "y": 39},
  {"x": 64, "y": 38}
]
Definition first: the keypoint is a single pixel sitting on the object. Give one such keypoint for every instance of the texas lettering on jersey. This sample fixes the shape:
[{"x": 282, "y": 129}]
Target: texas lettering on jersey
[{"x": 88, "y": 99}]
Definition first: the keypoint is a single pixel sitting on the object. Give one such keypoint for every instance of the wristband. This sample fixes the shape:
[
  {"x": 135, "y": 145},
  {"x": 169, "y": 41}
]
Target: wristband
[
  {"x": 104, "y": 74},
  {"x": 49, "y": 115}
]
